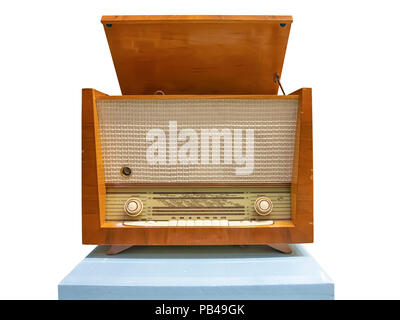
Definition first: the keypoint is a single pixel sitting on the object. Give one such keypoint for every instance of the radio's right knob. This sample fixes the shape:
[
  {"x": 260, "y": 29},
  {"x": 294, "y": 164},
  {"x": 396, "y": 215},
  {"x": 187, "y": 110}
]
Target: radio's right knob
[
  {"x": 263, "y": 206},
  {"x": 133, "y": 207}
]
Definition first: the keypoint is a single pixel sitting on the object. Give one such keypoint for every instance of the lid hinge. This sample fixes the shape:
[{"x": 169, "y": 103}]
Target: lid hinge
[{"x": 278, "y": 79}]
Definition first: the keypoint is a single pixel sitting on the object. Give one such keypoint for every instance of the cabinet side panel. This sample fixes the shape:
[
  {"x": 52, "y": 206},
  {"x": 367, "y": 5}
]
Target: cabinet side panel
[
  {"x": 93, "y": 188},
  {"x": 302, "y": 183}
]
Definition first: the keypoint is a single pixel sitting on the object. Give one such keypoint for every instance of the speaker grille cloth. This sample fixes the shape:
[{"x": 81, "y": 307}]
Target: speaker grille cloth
[{"x": 125, "y": 123}]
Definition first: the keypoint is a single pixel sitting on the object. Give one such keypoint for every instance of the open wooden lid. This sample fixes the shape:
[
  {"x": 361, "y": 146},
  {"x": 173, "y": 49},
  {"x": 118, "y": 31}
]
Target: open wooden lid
[{"x": 197, "y": 54}]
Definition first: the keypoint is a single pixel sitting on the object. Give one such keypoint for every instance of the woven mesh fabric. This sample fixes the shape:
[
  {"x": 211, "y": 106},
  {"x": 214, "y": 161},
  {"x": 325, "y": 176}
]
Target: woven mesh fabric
[{"x": 125, "y": 123}]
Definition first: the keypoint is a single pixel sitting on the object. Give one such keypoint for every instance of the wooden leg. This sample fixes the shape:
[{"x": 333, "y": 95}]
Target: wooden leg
[
  {"x": 282, "y": 247},
  {"x": 117, "y": 248}
]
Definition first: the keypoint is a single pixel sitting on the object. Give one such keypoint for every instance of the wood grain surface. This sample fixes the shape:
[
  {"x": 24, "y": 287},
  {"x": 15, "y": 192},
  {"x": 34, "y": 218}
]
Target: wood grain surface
[{"x": 197, "y": 54}]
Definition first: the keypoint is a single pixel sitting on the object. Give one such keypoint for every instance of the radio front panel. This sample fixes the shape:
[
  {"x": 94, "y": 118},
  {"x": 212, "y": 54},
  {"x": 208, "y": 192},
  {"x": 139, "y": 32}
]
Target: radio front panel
[
  {"x": 197, "y": 206},
  {"x": 197, "y": 169}
]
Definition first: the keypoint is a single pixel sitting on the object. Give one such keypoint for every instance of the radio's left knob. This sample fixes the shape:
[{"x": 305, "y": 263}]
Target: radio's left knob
[{"x": 133, "y": 207}]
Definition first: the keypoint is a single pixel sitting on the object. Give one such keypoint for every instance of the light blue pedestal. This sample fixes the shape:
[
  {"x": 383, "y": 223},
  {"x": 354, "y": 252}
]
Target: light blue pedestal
[{"x": 204, "y": 273}]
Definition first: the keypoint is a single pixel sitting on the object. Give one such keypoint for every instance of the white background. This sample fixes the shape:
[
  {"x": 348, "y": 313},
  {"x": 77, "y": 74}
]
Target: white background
[{"x": 347, "y": 51}]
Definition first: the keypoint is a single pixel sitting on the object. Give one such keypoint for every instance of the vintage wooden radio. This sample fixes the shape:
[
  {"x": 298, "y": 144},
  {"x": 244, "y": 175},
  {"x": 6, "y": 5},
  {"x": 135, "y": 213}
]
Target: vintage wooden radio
[{"x": 200, "y": 149}]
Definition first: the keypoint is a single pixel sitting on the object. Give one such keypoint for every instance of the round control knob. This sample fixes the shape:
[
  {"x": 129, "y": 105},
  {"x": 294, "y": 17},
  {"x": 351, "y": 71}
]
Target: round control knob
[
  {"x": 126, "y": 171},
  {"x": 133, "y": 207},
  {"x": 263, "y": 206}
]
